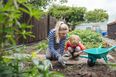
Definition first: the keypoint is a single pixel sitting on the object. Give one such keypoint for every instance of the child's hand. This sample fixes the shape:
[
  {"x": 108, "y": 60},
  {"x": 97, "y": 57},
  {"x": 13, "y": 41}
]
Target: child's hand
[
  {"x": 70, "y": 49},
  {"x": 78, "y": 53}
]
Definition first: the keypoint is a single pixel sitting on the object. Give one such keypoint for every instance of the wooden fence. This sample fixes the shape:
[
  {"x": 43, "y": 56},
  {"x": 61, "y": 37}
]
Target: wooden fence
[
  {"x": 40, "y": 28},
  {"x": 111, "y": 27}
]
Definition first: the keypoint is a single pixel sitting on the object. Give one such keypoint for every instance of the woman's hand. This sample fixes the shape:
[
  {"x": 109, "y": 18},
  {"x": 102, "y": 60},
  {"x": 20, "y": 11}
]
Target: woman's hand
[{"x": 61, "y": 61}]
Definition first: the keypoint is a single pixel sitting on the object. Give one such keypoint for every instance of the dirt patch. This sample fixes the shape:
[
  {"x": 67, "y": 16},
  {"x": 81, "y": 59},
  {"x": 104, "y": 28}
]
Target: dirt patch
[{"x": 83, "y": 70}]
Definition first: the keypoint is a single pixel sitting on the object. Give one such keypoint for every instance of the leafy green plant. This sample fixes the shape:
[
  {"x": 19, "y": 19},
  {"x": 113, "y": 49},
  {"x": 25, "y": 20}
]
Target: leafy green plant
[
  {"x": 13, "y": 62},
  {"x": 11, "y": 11},
  {"x": 42, "y": 45},
  {"x": 89, "y": 38},
  {"x": 43, "y": 68},
  {"x": 26, "y": 65},
  {"x": 12, "y": 65}
]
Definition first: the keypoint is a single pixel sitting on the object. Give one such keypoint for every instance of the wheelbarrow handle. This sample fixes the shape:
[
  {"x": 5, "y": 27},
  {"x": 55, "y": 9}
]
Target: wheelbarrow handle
[
  {"x": 84, "y": 56},
  {"x": 111, "y": 48}
]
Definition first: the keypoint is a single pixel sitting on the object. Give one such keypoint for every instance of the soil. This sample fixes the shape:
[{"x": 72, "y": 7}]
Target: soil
[{"x": 83, "y": 70}]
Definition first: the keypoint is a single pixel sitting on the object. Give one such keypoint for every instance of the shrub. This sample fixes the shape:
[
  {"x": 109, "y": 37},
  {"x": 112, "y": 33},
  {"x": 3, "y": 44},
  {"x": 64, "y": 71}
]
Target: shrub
[{"x": 89, "y": 38}]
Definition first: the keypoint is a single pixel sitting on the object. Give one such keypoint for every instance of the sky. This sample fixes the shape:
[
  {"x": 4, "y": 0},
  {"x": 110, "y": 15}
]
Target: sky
[{"x": 108, "y": 5}]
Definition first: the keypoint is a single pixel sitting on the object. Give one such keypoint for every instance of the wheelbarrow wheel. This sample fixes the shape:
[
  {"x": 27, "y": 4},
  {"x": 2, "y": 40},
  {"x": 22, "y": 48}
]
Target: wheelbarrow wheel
[{"x": 90, "y": 62}]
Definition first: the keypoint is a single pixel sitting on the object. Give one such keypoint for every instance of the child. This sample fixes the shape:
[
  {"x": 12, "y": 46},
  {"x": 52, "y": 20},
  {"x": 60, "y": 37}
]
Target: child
[{"x": 74, "y": 46}]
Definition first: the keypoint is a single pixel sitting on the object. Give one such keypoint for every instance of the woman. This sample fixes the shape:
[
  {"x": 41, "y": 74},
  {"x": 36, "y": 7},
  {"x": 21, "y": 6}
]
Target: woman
[{"x": 56, "y": 42}]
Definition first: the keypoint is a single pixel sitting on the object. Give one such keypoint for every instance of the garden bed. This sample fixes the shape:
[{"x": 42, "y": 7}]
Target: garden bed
[{"x": 82, "y": 70}]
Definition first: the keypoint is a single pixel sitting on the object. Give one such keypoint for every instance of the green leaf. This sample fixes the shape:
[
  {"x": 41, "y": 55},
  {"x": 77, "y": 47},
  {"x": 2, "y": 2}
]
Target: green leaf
[
  {"x": 22, "y": 1},
  {"x": 47, "y": 64},
  {"x": 35, "y": 61},
  {"x": 24, "y": 10},
  {"x": 25, "y": 26},
  {"x": 55, "y": 74}
]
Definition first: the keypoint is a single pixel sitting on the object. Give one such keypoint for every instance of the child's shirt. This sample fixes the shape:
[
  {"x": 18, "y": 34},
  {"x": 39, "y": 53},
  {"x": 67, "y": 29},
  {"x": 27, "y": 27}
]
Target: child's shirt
[{"x": 68, "y": 44}]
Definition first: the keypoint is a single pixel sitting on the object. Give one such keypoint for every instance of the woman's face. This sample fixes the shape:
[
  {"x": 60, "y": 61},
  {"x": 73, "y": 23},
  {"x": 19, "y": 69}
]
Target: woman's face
[{"x": 62, "y": 34}]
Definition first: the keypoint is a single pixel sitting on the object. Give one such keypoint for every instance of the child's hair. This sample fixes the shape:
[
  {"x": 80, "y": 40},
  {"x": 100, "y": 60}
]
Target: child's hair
[
  {"x": 60, "y": 27},
  {"x": 74, "y": 39}
]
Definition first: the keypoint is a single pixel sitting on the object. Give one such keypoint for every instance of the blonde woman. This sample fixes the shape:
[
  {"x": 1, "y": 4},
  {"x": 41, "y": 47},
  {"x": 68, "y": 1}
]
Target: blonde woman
[{"x": 56, "y": 42}]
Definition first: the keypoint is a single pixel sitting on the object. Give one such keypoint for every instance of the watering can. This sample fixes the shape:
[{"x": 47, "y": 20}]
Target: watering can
[{"x": 97, "y": 53}]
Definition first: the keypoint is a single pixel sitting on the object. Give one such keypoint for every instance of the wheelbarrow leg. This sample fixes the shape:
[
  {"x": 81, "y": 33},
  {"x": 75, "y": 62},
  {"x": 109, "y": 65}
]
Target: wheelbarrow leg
[{"x": 105, "y": 58}]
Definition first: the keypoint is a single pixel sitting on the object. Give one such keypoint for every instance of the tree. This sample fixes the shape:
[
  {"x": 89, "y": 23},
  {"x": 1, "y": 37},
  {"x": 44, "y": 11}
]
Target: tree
[
  {"x": 76, "y": 15},
  {"x": 96, "y": 15},
  {"x": 72, "y": 15},
  {"x": 60, "y": 12},
  {"x": 44, "y": 3}
]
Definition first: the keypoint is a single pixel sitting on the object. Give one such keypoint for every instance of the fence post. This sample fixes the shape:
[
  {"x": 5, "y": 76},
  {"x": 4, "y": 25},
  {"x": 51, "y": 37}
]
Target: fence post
[{"x": 48, "y": 23}]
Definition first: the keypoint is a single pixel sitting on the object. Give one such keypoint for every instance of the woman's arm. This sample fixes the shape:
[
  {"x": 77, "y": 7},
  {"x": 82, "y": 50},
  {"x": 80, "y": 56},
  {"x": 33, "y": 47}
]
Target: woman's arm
[{"x": 51, "y": 44}]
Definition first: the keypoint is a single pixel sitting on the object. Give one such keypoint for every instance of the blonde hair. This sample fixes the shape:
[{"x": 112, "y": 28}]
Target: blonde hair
[
  {"x": 74, "y": 39},
  {"x": 60, "y": 27}
]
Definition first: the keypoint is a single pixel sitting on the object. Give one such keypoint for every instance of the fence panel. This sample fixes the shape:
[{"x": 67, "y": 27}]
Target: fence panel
[{"x": 40, "y": 28}]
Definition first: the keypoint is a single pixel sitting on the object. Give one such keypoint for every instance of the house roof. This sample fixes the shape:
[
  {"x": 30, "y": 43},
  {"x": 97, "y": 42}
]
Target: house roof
[{"x": 112, "y": 23}]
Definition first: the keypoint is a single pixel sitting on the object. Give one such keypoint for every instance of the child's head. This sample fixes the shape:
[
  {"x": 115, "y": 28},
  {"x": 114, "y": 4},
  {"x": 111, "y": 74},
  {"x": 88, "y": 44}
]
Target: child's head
[{"x": 74, "y": 39}]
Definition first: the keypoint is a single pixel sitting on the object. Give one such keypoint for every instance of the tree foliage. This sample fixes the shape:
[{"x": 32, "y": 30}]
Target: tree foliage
[
  {"x": 96, "y": 15},
  {"x": 72, "y": 15},
  {"x": 44, "y": 3},
  {"x": 77, "y": 15}
]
